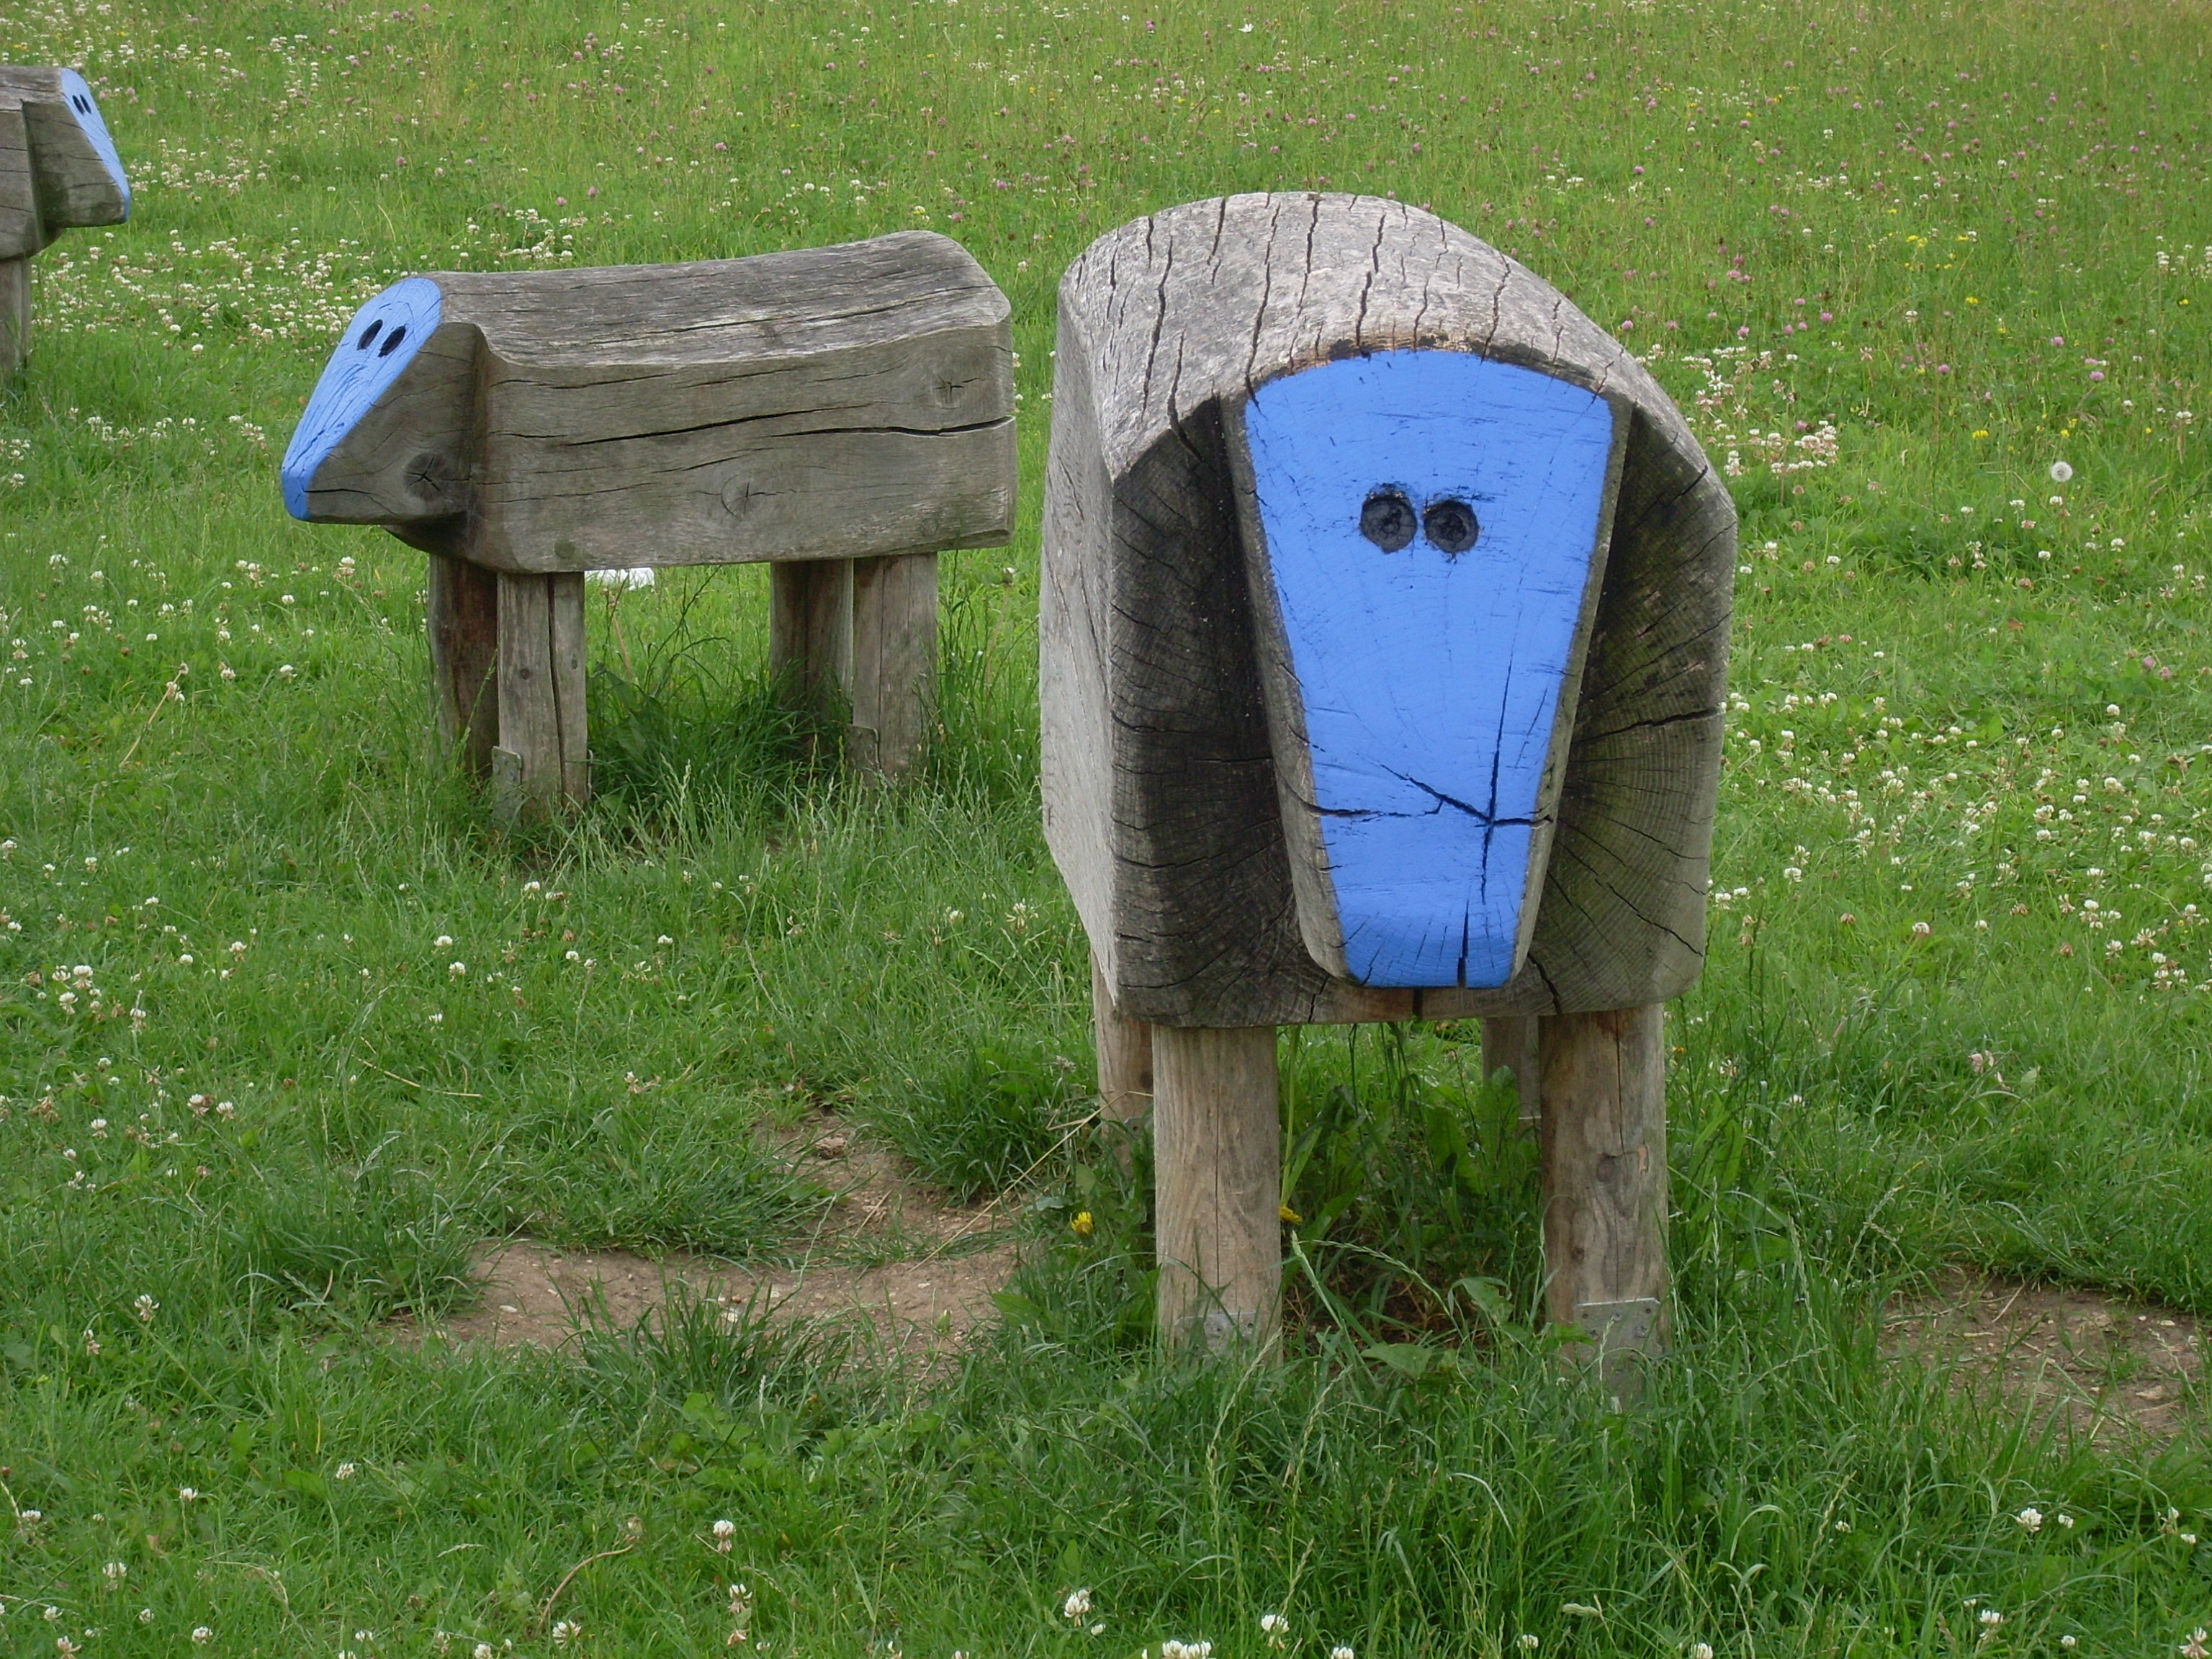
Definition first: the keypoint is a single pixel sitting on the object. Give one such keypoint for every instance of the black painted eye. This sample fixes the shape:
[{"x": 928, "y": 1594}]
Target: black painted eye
[
  {"x": 83, "y": 104},
  {"x": 1451, "y": 525},
  {"x": 1387, "y": 520},
  {"x": 391, "y": 345},
  {"x": 368, "y": 334}
]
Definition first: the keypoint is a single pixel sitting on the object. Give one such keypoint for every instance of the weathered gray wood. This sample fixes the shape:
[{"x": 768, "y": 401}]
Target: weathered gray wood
[
  {"x": 15, "y": 314},
  {"x": 23, "y": 231},
  {"x": 841, "y": 402},
  {"x": 1125, "y": 1058},
  {"x": 1604, "y": 1139},
  {"x": 1509, "y": 1043},
  {"x": 463, "y": 632},
  {"x": 1162, "y": 800},
  {"x": 894, "y": 685},
  {"x": 1217, "y": 1138},
  {"x": 810, "y": 638},
  {"x": 542, "y": 762}
]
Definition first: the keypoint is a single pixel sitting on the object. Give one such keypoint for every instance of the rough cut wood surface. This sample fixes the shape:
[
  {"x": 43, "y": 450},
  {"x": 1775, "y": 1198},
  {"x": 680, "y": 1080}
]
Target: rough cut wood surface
[
  {"x": 1217, "y": 1140},
  {"x": 827, "y": 403},
  {"x": 53, "y": 176},
  {"x": 1161, "y": 792},
  {"x": 1605, "y": 1182},
  {"x": 1509, "y": 1043}
]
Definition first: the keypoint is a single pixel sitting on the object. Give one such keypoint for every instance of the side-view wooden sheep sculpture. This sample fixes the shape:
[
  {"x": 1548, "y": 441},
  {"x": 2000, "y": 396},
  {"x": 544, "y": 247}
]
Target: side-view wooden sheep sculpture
[
  {"x": 1384, "y": 613},
  {"x": 844, "y": 412},
  {"x": 58, "y": 170}
]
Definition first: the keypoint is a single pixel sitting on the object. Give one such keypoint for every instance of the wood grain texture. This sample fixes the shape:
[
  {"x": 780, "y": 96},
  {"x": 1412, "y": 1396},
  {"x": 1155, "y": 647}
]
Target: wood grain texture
[
  {"x": 463, "y": 632},
  {"x": 541, "y": 763},
  {"x": 1217, "y": 1139},
  {"x": 1125, "y": 1058},
  {"x": 810, "y": 637},
  {"x": 829, "y": 403},
  {"x": 1160, "y": 788},
  {"x": 15, "y": 315},
  {"x": 894, "y": 686},
  {"x": 58, "y": 165},
  {"x": 1604, "y": 1139}
]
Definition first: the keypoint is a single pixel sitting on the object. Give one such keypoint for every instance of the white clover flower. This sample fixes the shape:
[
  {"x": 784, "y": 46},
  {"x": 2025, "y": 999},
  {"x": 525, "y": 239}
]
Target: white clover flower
[
  {"x": 2031, "y": 1517},
  {"x": 725, "y": 1532},
  {"x": 344, "y": 1472},
  {"x": 116, "y": 1571},
  {"x": 1341, "y": 1652},
  {"x": 483, "y": 1650},
  {"x": 203, "y": 1635},
  {"x": 1526, "y": 1641},
  {"x": 566, "y": 1632},
  {"x": 145, "y": 1615},
  {"x": 145, "y": 1307},
  {"x": 1077, "y": 1606},
  {"x": 2063, "y": 1519},
  {"x": 1701, "y": 1650},
  {"x": 1990, "y": 1618},
  {"x": 1273, "y": 1624}
]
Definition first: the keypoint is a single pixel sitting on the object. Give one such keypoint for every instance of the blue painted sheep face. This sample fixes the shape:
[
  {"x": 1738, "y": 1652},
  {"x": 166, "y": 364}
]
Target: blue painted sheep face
[
  {"x": 86, "y": 108},
  {"x": 375, "y": 352},
  {"x": 1430, "y": 525}
]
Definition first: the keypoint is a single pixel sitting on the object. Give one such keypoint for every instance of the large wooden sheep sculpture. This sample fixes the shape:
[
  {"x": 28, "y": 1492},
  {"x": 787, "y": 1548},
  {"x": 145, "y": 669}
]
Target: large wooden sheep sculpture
[
  {"x": 843, "y": 413},
  {"x": 1385, "y": 606},
  {"x": 58, "y": 170}
]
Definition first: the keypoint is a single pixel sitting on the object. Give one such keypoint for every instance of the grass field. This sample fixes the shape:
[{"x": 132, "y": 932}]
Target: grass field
[{"x": 287, "y": 1026}]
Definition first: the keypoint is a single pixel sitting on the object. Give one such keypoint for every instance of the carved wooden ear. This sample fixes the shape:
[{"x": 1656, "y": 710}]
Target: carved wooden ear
[{"x": 385, "y": 436}]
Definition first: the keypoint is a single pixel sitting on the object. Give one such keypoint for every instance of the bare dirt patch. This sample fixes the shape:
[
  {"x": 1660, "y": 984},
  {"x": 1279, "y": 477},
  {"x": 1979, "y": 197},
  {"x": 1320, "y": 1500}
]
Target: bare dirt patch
[
  {"x": 892, "y": 1256},
  {"x": 2112, "y": 1369}
]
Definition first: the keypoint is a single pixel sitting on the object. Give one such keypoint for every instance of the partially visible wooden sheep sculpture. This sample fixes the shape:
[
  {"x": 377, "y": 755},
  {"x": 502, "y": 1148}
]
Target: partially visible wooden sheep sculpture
[
  {"x": 843, "y": 412},
  {"x": 58, "y": 170},
  {"x": 1384, "y": 616}
]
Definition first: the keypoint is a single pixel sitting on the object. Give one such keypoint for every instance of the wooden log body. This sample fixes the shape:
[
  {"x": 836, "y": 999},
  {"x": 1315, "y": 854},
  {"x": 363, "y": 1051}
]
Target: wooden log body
[
  {"x": 58, "y": 170},
  {"x": 1186, "y": 799},
  {"x": 847, "y": 402}
]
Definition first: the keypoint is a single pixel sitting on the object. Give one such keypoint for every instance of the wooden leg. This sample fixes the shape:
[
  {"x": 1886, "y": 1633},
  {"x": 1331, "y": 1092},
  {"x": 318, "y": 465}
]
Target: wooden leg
[
  {"x": 1217, "y": 1134},
  {"x": 1508, "y": 1044},
  {"x": 463, "y": 655},
  {"x": 809, "y": 636},
  {"x": 894, "y": 661},
  {"x": 1604, "y": 1184},
  {"x": 541, "y": 763},
  {"x": 15, "y": 315},
  {"x": 1125, "y": 1064}
]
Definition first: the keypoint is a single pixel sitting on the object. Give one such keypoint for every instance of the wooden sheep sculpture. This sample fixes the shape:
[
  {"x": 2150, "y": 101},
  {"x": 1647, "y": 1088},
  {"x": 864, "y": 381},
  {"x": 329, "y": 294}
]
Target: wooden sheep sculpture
[
  {"x": 1384, "y": 616},
  {"x": 58, "y": 170},
  {"x": 842, "y": 412}
]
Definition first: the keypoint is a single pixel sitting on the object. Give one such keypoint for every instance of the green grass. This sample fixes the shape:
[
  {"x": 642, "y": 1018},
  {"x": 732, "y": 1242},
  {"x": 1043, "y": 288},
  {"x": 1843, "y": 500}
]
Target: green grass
[{"x": 1955, "y": 1011}]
